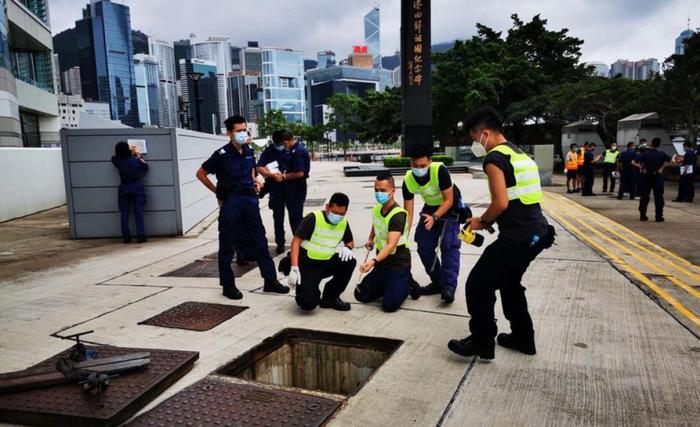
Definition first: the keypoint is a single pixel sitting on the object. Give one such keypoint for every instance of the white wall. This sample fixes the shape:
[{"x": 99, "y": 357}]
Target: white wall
[{"x": 31, "y": 180}]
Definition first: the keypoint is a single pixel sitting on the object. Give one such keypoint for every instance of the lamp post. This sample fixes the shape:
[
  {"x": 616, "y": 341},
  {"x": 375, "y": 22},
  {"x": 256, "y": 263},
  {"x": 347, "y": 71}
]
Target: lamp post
[{"x": 196, "y": 77}]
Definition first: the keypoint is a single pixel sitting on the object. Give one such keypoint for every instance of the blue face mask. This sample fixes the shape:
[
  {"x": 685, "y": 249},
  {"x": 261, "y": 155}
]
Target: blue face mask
[
  {"x": 240, "y": 137},
  {"x": 419, "y": 172},
  {"x": 382, "y": 198},
  {"x": 334, "y": 218},
  {"x": 280, "y": 147}
]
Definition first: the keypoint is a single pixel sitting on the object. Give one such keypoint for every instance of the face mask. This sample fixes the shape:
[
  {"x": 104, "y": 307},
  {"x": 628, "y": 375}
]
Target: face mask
[
  {"x": 613, "y": 148},
  {"x": 334, "y": 218},
  {"x": 240, "y": 137},
  {"x": 477, "y": 149},
  {"x": 279, "y": 147},
  {"x": 382, "y": 198},
  {"x": 419, "y": 172}
]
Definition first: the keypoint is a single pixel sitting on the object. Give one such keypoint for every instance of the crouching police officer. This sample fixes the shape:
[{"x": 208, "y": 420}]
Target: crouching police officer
[
  {"x": 390, "y": 278},
  {"x": 316, "y": 256},
  {"x": 515, "y": 189},
  {"x": 240, "y": 224}
]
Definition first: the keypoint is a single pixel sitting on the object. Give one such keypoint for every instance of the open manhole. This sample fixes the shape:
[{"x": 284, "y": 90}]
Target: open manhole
[
  {"x": 313, "y": 360},
  {"x": 194, "y": 316},
  {"x": 310, "y": 203}
]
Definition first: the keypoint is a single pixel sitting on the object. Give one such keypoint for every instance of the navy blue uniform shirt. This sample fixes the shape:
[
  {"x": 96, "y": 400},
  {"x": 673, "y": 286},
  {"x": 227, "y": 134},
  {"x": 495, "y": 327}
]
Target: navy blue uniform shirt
[
  {"x": 626, "y": 158},
  {"x": 689, "y": 158},
  {"x": 232, "y": 169},
  {"x": 271, "y": 154},
  {"x": 653, "y": 160},
  {"x": 299, "y": 160},
  {"x": 130, "y": 169}
]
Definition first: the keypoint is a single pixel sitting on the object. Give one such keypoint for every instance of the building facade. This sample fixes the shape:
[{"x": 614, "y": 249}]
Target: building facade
[
  {"x": 326, "y": 58},
  {"x": 283, "y": 82},
  {"x": 204, "y": 115},
  {"x": 600, "y": 69},
  {"x": 372, "y": 36},
  {"x": 251, "y": 58},
  {"x": 28, "y": 102},
  {"x": 99, "y": 109},
  {"x": 69, "y": 108},
  {"x": 680, "y": 40},
  {"x": 216, "y": 49},
  {"x": 635, "y": 70},
  {"x": 243, "y": 90},
  {"x": 70, "y": 81},
  {"x": 164, "y": 52},
  {"x": 147, "y": 89}
]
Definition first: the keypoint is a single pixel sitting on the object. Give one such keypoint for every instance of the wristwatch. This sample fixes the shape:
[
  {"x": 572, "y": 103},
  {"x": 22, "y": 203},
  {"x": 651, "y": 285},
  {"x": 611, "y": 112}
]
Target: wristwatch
[{"x": 436, "y": 218}]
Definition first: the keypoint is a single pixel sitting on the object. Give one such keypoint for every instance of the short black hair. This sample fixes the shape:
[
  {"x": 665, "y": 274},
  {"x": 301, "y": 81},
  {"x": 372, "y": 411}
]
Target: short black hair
[
  {"x": 630, "y": 144},
  {"x": 586, "y": 144},
  {"x": 687, "y": 144},
  {"x": 232, "y": 121},
  {"x": 418, "y": 151},
  {"x": 485, "y": 118},
  {"x": 279, "y": 136},
  {"x": 339, "y": 199},
  {"x": 643, "y": 139},
  {"x": 656, "y": 142},
  {"x": 386, "y": 176},
  {"x": 591, "y": 144},
  {"x": 122, "y": 150},
  {"x": 572, "y": 146}
]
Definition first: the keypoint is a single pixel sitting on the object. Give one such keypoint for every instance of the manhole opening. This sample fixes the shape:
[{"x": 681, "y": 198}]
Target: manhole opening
[{"x": 313, "y": 360}]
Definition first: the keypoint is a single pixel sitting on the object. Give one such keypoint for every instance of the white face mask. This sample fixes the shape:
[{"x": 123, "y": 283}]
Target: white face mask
[{"x": 478, "y": 149}]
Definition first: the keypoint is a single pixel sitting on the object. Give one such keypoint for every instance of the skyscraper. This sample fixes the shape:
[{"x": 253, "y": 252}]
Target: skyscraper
[
  {"x": 147, "y": 88},
  {"x": 71, "y": 81},
  {"x": 685, "y": 35},
  {"x": 635, "y": 70},
  {"x": 216, "y": 49},
  {"x": 208, "y": 88},
  {"x": 164, "y": 52},
  {"x": 183, "y": 50},
  {"x": 600, "y": 69},
  {"x": 372, "y": 39},
  {"x": 243, "y": 89},
  {"x": 283, "y": 82},
  {"x": 251, "y": 58}
]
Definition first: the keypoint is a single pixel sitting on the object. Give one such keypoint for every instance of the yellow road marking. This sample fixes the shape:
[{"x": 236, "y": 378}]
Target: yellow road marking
[
  {"x": 631, "y": 253},
  {"x": 634, "y": 272}
]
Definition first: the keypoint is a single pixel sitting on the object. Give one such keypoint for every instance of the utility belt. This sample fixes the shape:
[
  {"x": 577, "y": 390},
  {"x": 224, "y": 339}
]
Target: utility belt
[{"x": 225, "y": 190}]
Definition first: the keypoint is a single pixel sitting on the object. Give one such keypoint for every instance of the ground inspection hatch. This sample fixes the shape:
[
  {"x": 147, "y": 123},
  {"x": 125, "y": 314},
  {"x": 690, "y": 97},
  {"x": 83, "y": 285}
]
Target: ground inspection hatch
[{"x": 194, "y": 316}]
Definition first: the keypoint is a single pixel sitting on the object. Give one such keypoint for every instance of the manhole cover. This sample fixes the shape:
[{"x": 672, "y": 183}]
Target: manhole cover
[
  {"x": 194, "y": 316},
  {"x": 314, "y": 202},
  {"x": 207, "y": 267},
  {"x": 215, "y": 401},
  {"x": 127, "y": 393}
]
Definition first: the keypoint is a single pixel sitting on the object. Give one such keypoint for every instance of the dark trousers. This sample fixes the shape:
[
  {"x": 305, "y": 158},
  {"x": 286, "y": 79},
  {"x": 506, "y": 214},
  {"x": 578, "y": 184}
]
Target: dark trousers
[
  {"x": 295, "y": 196},
  {"x": 628, "y": 183},
  {"x": 652, "y": 182},
  {"x": 391, "y": 285},
  {"x": 500, "y": 267},
  {"x": 608, "y": 169},
  {"x": 588, "y": 178},
  {"x": 277, "y": 205},
  {"x": 447, "y": 268},
  {"x": 240, "y": 226},
  {"x": 686, "y": 188},
  {"x": 308, "y": 293},
  {"x": 132, "y": 195}
]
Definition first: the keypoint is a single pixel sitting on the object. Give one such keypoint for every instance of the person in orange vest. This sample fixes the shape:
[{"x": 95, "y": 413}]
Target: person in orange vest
[
  {"x": 571, "y": 169},
  {"x": 579, "y": 172}
]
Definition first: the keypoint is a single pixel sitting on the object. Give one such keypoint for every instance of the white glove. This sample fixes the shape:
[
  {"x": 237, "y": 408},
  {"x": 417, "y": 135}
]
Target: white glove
[
  {"x": 294, "y": 277},
  {"x": 345, "y": 254}
]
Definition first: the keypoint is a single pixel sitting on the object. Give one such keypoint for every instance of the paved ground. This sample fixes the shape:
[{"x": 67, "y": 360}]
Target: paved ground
[{"x": 608, "y": 354}]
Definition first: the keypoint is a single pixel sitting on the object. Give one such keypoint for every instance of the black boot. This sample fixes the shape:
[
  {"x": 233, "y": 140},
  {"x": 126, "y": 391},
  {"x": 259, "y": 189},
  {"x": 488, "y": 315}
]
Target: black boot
[
  {"x": 232, "y": 292},
  {"x": 335, "y": 304},
  {"x": 431, "y": 289},
  {"x": 126, "y": 240},
  {"x": 141, "y": 239},
  {"x": 415, "y": 290},
  {"x": 448, "y": 294},
  {"x": 468, "y": 347},
  {"x": 275, "y": 287},
  {"x": 523, "y": 345}
]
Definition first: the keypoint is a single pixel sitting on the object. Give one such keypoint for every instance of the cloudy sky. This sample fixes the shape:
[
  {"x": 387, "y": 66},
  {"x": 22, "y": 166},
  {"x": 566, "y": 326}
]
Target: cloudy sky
[{"x": 612, "y": 29}]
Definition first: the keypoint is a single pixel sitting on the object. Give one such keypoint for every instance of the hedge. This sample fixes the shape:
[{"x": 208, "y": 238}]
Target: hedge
[{"x": 405, "y": 162}]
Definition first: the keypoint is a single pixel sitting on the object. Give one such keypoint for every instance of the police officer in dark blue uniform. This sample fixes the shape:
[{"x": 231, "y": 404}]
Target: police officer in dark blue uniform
[
  {"x": 686, "y": 184},
  {"x": 276, "y": 157},
  {"x": 239, "y": 217},
  {"x": 295, "y": 177},
  {"x": 628, "y": 173},
  {"x": 131, "y": 167},
  {"x": 651, "y": 164}
]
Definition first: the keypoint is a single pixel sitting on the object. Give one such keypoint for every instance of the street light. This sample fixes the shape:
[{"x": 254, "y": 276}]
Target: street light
[{"x": 196, "y": 77}]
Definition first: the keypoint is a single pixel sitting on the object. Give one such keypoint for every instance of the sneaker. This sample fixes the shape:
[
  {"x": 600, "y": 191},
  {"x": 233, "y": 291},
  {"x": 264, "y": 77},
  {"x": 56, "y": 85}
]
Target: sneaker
[
  {"x": 660, "y": 219},
  {"x": 415, "y": 289},
  {"x": 279, "y": 250},
  {"x": 335, "y": 304},
  {"x": 232, "y": 292},
  {"x": 142, "y": 239},
  {"x": 468, "y": 347},
  {"x": 448, "y": 294},
  {"x": 276, "y": 287},
  {"x": 431, "y": 289},
  {"x": 512, "y": 342}
]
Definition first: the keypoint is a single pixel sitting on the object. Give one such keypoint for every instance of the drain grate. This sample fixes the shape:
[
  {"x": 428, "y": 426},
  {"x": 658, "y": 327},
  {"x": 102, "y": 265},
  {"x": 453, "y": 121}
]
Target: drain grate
[
  {"x": 127, "y": 393},
  {"x": 207, "y": 267},
  {"x": 217, "y": 401},
  {"x": 194, "y": 316},
  {"x": 314, "y": 202}
]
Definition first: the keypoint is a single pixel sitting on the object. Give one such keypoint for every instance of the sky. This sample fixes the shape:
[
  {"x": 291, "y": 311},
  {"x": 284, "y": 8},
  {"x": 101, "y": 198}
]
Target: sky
[{"x": 611, "y": 29}]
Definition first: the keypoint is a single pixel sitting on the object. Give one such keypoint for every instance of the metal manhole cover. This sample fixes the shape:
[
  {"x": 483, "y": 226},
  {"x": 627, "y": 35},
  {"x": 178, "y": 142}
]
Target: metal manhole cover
[
  {"x": 213, "y": 401},
  {"x": 207, "y": 267},
  {"x": 194, "y": 316},
  {"x": 314, "y": 202},
  {"x": 127, "y": 393}
]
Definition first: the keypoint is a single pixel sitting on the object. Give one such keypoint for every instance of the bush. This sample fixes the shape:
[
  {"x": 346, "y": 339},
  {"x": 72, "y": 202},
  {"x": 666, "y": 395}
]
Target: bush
[
  {"x": 405, "y": 162},
  {"x": 447, "y": 160}
]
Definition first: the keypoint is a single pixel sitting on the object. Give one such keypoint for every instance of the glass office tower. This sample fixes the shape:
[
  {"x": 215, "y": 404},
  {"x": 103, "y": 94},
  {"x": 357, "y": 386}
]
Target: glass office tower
[
  {"x": 164, "y": 53},
  {"x": 283, "y": 82},
  {"x": 147, "y": 88},
  {"x": 372, "y": 36}
]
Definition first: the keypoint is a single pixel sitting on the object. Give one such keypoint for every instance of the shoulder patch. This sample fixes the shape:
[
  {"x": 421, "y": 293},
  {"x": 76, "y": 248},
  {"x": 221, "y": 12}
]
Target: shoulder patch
[{"x": 222, "y": 151}]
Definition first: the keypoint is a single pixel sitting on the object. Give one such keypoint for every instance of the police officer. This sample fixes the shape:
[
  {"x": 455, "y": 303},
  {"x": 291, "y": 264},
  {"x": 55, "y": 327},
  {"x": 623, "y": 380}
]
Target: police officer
[
  {"x": 295, "y": 177},
  {"x": 277, "y": 157},
  {"x": 589, "y": 160},
  {"x": 390, "y": 276},
  {"x": 628, "y": 172},
  {"x": 523, "y": 233},
  {"x": 239, "y": 217},
  {"x": 316, "y": 255},
  {"x": 610, "y": 167},
  {"x": 432, "y": 181},
  {"x": 686, "y": 184},
  {"x": 651, "y": 164},
  {"x": 131, "y": 166}
]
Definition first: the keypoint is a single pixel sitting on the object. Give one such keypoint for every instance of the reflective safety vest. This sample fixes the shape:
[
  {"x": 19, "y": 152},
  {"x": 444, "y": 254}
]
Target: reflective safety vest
[
  {"x": 430, "y": 192},
  {"x": 580, "y": 158},
  {"x": 572, "y": 163},
  {"x": 611, "y": 156},
  {"x": 381, "y": 227},
  {"x": 325, "y": 239},
  {"x": 527, "y": 187}
]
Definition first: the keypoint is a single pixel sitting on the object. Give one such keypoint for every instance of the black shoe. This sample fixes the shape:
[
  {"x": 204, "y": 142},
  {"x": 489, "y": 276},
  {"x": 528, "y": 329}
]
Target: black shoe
[
  {"x": 569, "y": 191},
  {"x": 275, "y": 287},
  {"x": 678, "y": 200},
  {"x": 660, "y": 219},
  {"x": 644, "y": 218},
  {"x": 448, "y": 294},
  {"x": 232, "y": 292},
  {"x": 468, "y": 348},
  {"x": 512, "y": 342},
  {"x": 279, "y": 250},
  {"x": 431, "y": 289},
  {"x": 335, "y": 304},
  {"x": 141, "y": 239},
  {"x": 415, "y": 290},
  {"x": 126, "y": 240},
  {"x": 631, "y": 198},
  {"x": 619, "y": 197}
]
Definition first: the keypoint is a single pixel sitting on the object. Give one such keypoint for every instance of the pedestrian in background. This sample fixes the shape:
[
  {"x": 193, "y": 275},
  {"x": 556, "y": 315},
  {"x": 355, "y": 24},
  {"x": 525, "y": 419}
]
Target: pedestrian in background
[
  {"x": 571, "y": 169},
  {"x": 294, "y": 179},
  {"x": 686, "y": 184},
  {"x": 131, "y": 166},
  {"x": 651, "y": 164},
  {"x": 610, "y": 167},
  {"x": 589, "y": 160},
  {"x": 273, "y": 166},
  {"x": 628, "y": 172}
]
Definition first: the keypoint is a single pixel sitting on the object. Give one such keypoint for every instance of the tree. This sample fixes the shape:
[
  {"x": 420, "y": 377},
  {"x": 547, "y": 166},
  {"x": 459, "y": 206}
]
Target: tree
[
  {"x": 381, "y": 120},
  {"x": 310, "y": 135},
  {"x": 345, "y": 116},
  {"x": 271, "y": 121}
]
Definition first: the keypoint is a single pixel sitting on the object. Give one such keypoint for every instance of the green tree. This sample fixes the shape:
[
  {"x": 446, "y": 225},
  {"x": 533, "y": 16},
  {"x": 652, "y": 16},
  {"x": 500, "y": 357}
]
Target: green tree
[
  {"x": 345, "y": 117},
  {"x": 271, "y": 121},
  {"x": 382, "y": 117}
]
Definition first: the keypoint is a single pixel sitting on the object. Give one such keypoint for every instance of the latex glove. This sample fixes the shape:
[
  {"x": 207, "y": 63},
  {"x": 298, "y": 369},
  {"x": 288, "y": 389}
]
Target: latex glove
[
  {"x": 294, "y": 277},
  {"x": 345, "y": 254}
]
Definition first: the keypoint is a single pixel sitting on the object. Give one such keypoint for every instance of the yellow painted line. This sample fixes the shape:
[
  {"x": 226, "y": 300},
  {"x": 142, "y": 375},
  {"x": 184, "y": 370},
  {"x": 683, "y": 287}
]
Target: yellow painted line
[
  {"x": 681, "y": 284},
  {"x": 634, "y": 272},
  {"x": 641, "y": 238}
]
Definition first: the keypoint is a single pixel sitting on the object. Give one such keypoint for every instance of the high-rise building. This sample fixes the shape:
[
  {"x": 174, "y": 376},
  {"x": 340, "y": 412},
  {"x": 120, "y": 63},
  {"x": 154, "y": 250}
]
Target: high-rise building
[
  {"x": 360, "y": 57},
  {"x": 183, "y": 50},
  {"x": 283, "y": 82},
  {"x": 310, "y": 64},
  {"x": 164, "y": 52},
  {"x": 139, "y": 42},
  {"x": 216, "y": 49},
  {"x": 208, "y": 117},
  {"x": 326, "y": 58},
  {"x": 600, "y": 69},
  {"x": 28, "y": 102},
  {"x": 69, "y": 108},
  {"x": 251, "y": 58},
  {"x": 70, "y": 81},
  {"x": 243, "y": 90},
  {"x": 680, "y": 40},
  {"x": 635, "y": 70},
  {"x": 147, "y": 88},
  {"x": 57, "y": 88},
  {"x": 622, "y": 67},
  {"x": 372, "y": 39}
]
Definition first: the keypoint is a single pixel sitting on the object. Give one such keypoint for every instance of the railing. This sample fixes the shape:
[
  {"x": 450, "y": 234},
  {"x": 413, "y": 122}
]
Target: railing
[{"x": 35, "y": 83}]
